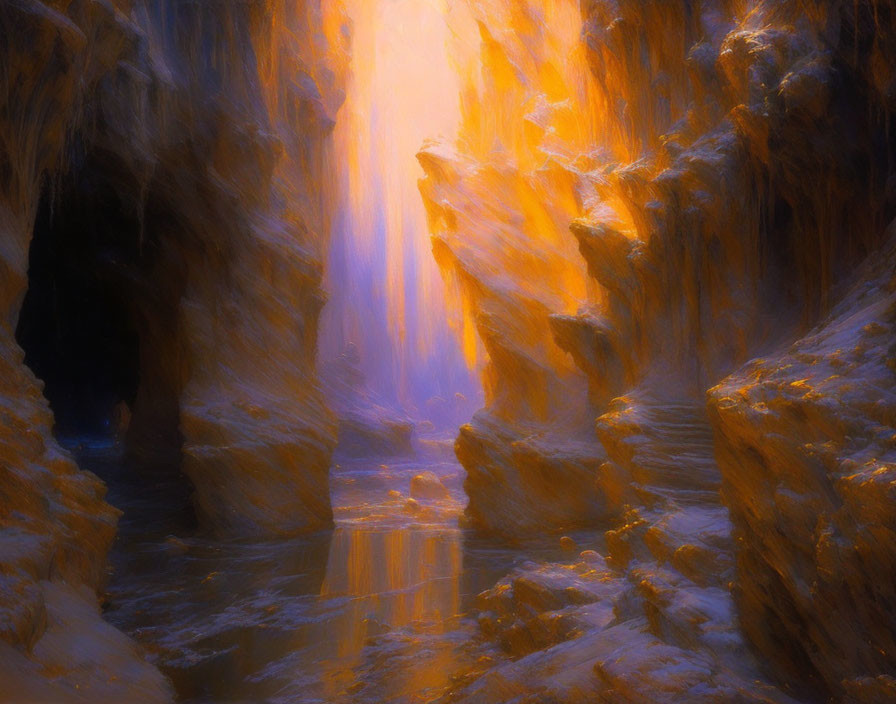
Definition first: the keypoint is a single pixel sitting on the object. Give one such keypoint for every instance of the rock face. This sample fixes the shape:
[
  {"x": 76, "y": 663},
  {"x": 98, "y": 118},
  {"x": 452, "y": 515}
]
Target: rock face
[
  {"x": 168, "y": 159},
  {"x": 499, "y": 211},
  {"x": 735, "y": 176},
  {"x": 579, "y": 632},
  {"x": 805, "y": 443},
  {"x": 214, "y": 168}
]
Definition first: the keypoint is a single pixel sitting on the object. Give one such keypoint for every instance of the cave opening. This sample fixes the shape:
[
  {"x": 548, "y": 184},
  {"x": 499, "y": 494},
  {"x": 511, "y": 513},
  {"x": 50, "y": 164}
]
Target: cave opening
[
  {"x": 75, "y": 325},
  {"x": 96, "y": 328}
]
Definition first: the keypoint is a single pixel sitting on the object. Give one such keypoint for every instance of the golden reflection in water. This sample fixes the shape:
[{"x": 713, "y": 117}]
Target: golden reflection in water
[{"x": 402, "y": 578}]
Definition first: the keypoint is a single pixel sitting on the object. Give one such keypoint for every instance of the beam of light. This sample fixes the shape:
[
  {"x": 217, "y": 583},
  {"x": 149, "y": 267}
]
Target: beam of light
[{"x": 386, "y": 294}]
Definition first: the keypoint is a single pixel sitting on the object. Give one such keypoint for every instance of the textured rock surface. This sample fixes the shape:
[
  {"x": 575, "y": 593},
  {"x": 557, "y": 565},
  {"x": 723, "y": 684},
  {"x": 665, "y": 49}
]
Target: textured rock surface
[
  {"x": 78, "y": 658},
  {"x": 582, "y": 632},
  {"x": 191, "y": 138},
  {"x": 224, "y": 177},
  {"x": 428, "y": 487},
  {"x": 499, "y": 208},
  {"x": 653, "y": 619},
  {"x": 736, "y": 174},
  {"x": 55, "y": 525},
  {"x": 806, "y": 446},
  {"x": 528, "y": 482}
]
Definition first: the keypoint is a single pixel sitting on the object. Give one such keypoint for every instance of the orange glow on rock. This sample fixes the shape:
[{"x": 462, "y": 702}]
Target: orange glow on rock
[{"x": 501, "y": 196}]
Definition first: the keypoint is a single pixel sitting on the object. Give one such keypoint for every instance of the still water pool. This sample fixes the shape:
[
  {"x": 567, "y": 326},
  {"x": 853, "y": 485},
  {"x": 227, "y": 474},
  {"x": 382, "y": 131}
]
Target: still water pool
[{"x": 381, "y": 608}]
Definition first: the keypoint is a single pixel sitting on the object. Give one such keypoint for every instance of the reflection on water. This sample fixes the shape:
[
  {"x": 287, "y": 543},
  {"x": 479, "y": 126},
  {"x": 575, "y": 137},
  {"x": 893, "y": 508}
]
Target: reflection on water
[
  {"x": 402, "y": 582},
  {"x": 394, "y": 577},
  {"x": 377, "y": 610}
]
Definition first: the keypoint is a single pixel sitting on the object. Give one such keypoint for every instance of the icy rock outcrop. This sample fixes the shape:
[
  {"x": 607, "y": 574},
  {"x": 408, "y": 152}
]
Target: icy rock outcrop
[
  {"x": 540, "y": 607},
  {"x": 724, "y": 241},
  {"x": 200, "y": 131},
  {"x": 654, "y": 619},
  {"x": 581, "y": 632},
  {"x": 805, "y": 441}
]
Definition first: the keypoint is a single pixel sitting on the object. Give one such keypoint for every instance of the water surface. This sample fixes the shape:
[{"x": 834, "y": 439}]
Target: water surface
[{"x": 379, "y": 609}]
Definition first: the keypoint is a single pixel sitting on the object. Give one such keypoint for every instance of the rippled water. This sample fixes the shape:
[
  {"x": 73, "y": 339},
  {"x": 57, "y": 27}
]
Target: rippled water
[{"x": 378, "y": 609}]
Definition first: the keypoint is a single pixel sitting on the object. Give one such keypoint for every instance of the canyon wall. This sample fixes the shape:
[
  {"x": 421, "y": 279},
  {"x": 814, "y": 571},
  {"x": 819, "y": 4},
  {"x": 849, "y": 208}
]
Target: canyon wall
[
  {"x": 805, "y": 438},
  {"x": 732, "y": 174},
  {"x": 175, "y": 153},
  {"x": 499, "y": 203}
]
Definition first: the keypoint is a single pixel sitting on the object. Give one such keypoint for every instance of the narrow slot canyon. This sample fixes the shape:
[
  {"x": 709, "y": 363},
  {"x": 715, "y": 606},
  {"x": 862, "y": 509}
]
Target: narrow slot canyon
[{"x": 447, "y": 351}]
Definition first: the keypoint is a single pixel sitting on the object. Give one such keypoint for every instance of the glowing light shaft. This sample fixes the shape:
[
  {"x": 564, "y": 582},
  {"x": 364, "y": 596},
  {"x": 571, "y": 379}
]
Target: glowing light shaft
[{"x": 386, "y": 292}]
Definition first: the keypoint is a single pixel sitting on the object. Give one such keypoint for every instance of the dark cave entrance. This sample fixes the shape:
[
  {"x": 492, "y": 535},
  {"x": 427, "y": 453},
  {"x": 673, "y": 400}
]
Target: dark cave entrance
[
  {"x": 75, "y": 324},
  {"x": 98, "y": 328}
]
